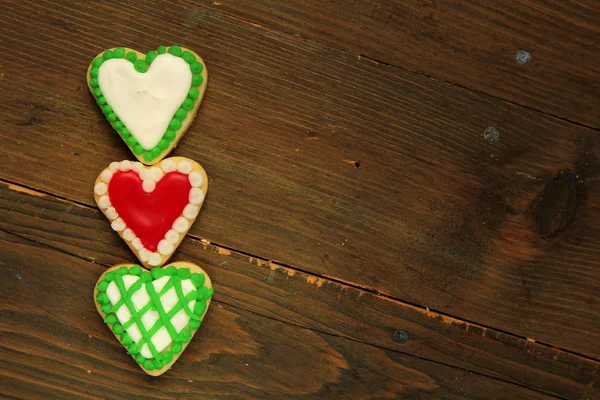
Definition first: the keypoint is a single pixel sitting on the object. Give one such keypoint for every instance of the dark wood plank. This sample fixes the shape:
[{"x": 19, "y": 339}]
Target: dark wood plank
[
  {"x": 59, "y": 340},
  {"x": 338, "y": 166},
  {"x": 318, "y": 304},
  {"x": 469, "y": 43}
]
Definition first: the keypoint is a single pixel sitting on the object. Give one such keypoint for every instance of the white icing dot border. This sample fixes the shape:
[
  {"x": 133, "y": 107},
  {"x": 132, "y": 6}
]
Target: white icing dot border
[{"x": 150, "y": 176}]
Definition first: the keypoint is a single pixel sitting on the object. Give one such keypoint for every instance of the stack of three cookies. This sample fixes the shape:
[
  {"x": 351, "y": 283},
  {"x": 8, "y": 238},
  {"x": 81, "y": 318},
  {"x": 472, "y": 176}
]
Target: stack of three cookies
[{"x": 154, "y": 309}]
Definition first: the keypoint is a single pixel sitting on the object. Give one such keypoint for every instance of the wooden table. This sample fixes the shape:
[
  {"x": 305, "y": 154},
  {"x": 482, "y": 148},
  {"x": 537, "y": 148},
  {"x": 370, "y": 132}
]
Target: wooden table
[{"x": 367, "y": 235}]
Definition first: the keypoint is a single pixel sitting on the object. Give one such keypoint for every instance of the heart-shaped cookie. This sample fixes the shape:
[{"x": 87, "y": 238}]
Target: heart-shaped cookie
[
  {"x": 154, "y": 314},
  {"x": 152, "y": 208},
  {"x": 150, "y": 99}
]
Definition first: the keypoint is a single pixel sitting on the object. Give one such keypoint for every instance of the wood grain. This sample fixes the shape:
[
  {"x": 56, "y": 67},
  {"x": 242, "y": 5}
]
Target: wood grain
[
  {"x": 57, "y": 339},
  {"x": 468, "y": 43},
  {"x": 307, "y": 301},
  {"x": 341, "y": 167}
]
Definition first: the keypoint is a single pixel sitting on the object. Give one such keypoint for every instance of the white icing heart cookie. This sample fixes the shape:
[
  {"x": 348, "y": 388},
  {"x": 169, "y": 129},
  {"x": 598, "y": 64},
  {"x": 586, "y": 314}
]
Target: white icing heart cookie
[
  {"x": 150, "y": 99},
  {"x": 152, "y": 208},
  {"x": 154, "y": 314}
]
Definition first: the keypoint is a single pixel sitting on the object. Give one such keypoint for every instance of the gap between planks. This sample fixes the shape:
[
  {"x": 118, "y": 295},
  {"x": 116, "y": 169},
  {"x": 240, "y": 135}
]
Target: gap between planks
[
  {"x": 316, "y": 279},
  {"x": 302, "y": 326},
  {"x": 360, "y": 56}
]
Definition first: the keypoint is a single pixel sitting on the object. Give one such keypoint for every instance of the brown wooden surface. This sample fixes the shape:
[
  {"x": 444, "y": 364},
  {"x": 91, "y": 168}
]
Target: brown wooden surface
[
  {"x": 369, "y": 188},
  {"x": 292, "y": 297},
  {"x": 469, "y": 43}
]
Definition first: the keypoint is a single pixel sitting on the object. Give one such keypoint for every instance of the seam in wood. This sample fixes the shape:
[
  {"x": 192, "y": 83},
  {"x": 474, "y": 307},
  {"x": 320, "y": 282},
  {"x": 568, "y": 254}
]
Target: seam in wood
[{"x": 319, "y": 280}]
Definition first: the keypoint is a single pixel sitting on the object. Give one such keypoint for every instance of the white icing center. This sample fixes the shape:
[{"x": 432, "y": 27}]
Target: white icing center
[
  {"x": 146, "y": 102},
  {"x": 161, "y": 339}
]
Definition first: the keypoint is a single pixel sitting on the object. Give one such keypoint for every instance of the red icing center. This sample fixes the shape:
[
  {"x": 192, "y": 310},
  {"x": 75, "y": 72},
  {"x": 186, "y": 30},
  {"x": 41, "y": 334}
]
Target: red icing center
[{"x": 149, "y": 215}]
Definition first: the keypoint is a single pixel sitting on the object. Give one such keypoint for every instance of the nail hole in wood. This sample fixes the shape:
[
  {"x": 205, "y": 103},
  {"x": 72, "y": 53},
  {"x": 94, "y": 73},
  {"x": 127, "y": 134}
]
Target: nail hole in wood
[
  {"x": 401, "y": 336},
  {"x": 491, "y": 134},
  {"x": 523, "y": 57}
]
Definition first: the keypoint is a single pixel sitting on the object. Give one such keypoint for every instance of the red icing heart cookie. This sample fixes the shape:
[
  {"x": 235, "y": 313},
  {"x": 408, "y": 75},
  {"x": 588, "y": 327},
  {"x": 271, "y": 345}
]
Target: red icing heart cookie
[{"x": 152, "y": 208}]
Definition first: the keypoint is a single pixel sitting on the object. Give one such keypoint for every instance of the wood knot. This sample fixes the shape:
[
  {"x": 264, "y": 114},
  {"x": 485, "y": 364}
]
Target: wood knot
[{"x": 556, "y": 207}]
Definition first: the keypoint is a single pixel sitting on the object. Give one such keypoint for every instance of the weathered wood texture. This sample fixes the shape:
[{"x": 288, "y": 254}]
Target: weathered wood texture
[
  {"x": 470, "y": 43},
  {"x": 260, "y": 311},
  {"x": 338, "y": 166},
  {"x": 55, "y": 345}
]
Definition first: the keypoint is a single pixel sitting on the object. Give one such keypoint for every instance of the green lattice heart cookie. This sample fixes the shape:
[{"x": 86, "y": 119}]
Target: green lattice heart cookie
[
  {"x": 154, "y": 314},
  {"x": 150, "y": 99}
]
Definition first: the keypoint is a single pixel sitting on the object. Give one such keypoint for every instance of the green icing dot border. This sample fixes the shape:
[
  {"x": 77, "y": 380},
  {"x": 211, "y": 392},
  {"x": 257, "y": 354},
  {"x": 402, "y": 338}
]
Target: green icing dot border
[
  {"x": 201, "y": 295},
  {"x": 142, "y": 65}
]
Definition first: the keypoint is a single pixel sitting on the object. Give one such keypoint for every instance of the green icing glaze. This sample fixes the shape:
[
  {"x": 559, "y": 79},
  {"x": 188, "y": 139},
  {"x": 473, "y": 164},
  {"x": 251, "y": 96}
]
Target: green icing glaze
[
  {"x": 199, "y": 307},
  {"x": 119, "y": 52},
  {"x": 169, "y": 135},
  {"x": 138, "y": 150},
  {"x": 171, "y": 270},
  {"x": 161, "y": 50},
  {"x": 204, "y": 293},
  {"x": 97, "y": 62},
  {"x": 124, "y": 132},
  {"x": 180, "y": 114},
  {"x": 188, "y": 104},
  {"x": 175, "y": 50},
  {"x": 126, "y": 339},
  {"x": 194, "y": 324},
  {"x": 183, "y": 273},
  {"x": 176, "y": 347},
  {"x": 107, "y": 109},
  {"x": 194, "y": 93},
  {"x": 156, "y": 151},
  {"x": 185, "y": 335},
  {"x": 188, "y": 57},
  {"x": 108, "y": 54},
  {"x": 110, "y": 319},
  {"x": 148, "y": 156},
  {"x": 112, "y": 117},
  {"x": 163, "y": 144},
  {"x": 167, "y": 357},
  {"x": 197, "y": 80},
  {"x": 140, "y": 65},
  {"x": 150, "y": 56},
  {"x": 175, "y": 277},
  {"x": 158, "y": 273},
  {"x": 131, "y": 56},
  {"x": 196, "y": 67},
  {"x": 102, "y": 298},
  {"x": 94, "y": 72},
  {"x": 133, "y": 348},
  {"x": 146, "y": 277},
  {"x": 131, "y": 142},
  {"x": 97, "y": 92},
  {"x": 175, "y": 124},
  {"x": 118, "y": 125},
  {"x": 136, "y": 270},
  {"x": 102, "y": 285},
  {"x": 94, "y": 82},
  {"x": 197, "y": 279},
  {"x": 101, "y": 101}
]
